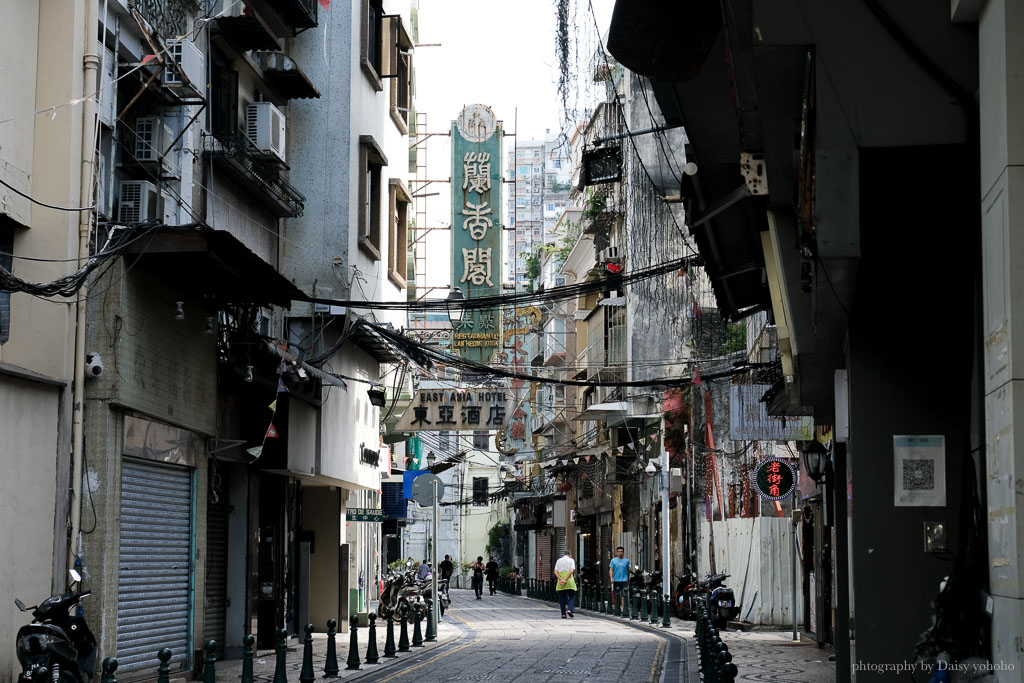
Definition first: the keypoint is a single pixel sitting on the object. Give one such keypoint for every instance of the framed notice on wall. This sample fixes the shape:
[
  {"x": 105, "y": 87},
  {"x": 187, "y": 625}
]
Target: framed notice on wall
[{"x": 920, "y": 470}]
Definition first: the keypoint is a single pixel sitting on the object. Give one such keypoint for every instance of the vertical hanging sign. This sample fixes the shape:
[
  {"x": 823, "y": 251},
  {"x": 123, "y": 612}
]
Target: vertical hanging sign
[{"x": 476, "y": 228}]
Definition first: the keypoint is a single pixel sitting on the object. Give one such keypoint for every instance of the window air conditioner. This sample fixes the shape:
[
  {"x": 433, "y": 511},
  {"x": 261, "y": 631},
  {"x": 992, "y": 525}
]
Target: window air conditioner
[
  {"x": 190, "y": 57},
  {"x": 264, "y": 125},
  {"x": 152, "y": 136},
  {"x": 610, "y": 254},
  {"x": 139, "y": 200}
]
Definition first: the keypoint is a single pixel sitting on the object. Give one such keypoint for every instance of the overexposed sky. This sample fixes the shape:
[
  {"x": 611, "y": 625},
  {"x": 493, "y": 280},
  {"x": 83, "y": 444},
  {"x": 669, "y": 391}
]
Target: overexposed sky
[{"x": 501, "y": 54}]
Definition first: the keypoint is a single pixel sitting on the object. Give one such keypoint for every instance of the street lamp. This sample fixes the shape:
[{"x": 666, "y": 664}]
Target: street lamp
[
  {"x": 454, "y": 305},
  {"x": 815, "y": 457},
  {"x": 376, "y": 396}
]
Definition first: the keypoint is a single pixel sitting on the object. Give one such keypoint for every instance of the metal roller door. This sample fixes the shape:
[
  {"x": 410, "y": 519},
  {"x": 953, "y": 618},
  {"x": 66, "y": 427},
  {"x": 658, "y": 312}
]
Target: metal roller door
[
  {"x": 544, "y": 565},
  {"x": 558, "y": 545},
  {"x": 154, "y": 580}
]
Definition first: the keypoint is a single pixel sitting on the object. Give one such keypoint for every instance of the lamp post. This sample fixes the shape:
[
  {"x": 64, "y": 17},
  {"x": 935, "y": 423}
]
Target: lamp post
[{"x": 454, "y": 303}]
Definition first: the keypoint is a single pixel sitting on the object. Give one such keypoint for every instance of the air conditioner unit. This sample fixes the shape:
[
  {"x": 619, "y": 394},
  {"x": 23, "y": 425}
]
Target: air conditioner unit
[
  {"x": 139, "y": 201},
  {"x": 610, "y": 254},
  {"x": 190, "y": 58},
  {"x": 264, "y": 125},
  {"x": 152, "y": 137}
]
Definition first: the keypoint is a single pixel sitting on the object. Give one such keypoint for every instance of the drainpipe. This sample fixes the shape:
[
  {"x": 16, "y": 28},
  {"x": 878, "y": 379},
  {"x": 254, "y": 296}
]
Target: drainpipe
[{"x": 90, "y": 80}]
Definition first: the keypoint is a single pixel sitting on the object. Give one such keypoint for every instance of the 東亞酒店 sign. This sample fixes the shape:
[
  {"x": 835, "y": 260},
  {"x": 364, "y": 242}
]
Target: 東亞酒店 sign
[{"x": 479, "y": 408}]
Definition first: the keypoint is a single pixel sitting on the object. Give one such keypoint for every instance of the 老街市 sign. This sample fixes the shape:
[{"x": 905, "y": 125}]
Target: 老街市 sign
[
  {"x": 364, "y": 515},
  {"x": 482, "y": 408},
  {"x": 774, "y": 479},
  {"x": 476, "y": 228}
]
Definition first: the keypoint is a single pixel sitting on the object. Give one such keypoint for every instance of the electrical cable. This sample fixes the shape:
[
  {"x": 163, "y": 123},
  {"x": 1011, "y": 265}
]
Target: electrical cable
[{"x": 48, "y": 206}]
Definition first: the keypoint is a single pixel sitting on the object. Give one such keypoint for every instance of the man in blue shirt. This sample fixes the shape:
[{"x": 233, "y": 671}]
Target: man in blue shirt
[{"x": 618, "y": 573}]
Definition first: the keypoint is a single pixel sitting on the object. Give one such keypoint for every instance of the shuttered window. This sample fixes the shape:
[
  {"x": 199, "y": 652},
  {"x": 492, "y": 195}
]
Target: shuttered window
[{"x": 154, "y": 577}]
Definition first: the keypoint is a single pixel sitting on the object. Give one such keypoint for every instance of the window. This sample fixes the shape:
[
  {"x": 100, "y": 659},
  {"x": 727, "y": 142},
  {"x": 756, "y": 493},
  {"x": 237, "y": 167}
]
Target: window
[
  {"x": 398, "y": 230},
  {"x": 371, "y": 41},
  {"x": 520, "y": 201},
  {"x": 523, "y": 170},
  {"x": 479, "y": 490},
  {"x": 400, "y": 72},
  {"x": 481, "y": 440},
  {"x": 7, "y": 263},
  {"x": 371, "y": 160},
  {"x": 558, "y": 163},
  {"x": 615, "y": 336},
  {"x": 549, "y": 207}
]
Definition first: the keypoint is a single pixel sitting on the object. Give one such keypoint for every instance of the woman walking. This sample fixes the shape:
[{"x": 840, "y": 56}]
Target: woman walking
[{"x": 565, "y": 573}]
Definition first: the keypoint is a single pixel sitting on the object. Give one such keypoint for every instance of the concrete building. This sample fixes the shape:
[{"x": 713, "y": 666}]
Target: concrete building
[{"x": 43, "y": 46}]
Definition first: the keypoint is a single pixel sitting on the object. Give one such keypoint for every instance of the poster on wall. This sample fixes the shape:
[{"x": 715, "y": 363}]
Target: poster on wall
[{"x": 920, "y": 470}]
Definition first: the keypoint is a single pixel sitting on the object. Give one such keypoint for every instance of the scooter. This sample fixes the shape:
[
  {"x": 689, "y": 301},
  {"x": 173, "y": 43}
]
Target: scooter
[
  {"x": 688, "y": 591},
  {"x": 722, "y": 605},
  {"x": 56, "y": 642}
]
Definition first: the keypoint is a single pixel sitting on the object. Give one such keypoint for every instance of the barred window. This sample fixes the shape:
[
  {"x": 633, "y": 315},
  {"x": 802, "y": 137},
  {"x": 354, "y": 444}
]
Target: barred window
[{"x": 479, "y": 490}]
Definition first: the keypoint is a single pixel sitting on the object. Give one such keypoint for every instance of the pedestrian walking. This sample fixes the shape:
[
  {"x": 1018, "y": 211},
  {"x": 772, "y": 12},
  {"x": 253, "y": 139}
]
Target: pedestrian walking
[
  {"x": 478, "y": 576},
  {"x": 618, "y": 574},
  {"x": 424, "y": 571},
  {"x": 492, "y": 574},
  {"x": 447, "y": 568},
  {"x": 565, "y": 572}
]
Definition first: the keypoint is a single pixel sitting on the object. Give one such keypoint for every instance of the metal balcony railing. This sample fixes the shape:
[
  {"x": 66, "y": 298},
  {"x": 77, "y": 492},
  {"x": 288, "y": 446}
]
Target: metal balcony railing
[
  {"x": 169, "y": 18},
  {"x": 256, "y": 166},
  {"x": 299, "y": 13}
]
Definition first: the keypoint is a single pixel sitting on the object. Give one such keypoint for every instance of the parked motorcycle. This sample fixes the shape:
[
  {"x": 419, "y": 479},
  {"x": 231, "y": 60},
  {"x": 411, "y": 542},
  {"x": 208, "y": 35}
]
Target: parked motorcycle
[
  {"x": 403, "y": 588},
  {"x": 56, "y": 640},
  {"x": 688, "y": 591},
  {"x": 722, "y": 605}
]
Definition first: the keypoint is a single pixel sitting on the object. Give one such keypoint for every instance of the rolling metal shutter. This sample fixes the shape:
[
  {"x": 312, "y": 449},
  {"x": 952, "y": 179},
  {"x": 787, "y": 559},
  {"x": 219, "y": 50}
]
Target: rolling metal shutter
[
  {"x": 544, "y": 566},
  {"x": 214, "y": 627},
  {"x": 558, "y": 545},
  {"x": 154, "y": 580}
]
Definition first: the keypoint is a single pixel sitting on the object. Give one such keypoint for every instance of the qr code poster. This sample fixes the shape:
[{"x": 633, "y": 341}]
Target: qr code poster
[{"x": 920, "y": 470}]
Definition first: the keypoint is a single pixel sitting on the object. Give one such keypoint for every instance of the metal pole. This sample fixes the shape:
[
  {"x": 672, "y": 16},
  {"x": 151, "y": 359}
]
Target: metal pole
[
  {"x": 795, "y": 564},
  {"x": 666, "y": 542},
  {"x": 433, "y": 574}
]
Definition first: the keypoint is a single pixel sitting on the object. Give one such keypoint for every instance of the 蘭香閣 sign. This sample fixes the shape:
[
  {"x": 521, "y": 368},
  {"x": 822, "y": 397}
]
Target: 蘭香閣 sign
[
  {"x": 774, "y": 479},
  {"x": 476, "y": 228},
  {"x": 476, "y": 409}
]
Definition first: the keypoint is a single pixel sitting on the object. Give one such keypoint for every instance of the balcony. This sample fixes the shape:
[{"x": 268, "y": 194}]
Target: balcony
[
  {"x": 236, "y": 154},
  {"x": 301, "y": 14},
  {"x": 168, "y": 18}
]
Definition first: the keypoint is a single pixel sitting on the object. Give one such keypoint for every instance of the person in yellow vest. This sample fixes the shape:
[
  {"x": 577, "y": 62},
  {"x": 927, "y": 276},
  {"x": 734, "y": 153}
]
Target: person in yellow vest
[{"x": 565, "y": 575}]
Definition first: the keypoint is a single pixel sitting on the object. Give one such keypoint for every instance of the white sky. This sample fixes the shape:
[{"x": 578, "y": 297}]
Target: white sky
[{"x": 500, "y": 54}]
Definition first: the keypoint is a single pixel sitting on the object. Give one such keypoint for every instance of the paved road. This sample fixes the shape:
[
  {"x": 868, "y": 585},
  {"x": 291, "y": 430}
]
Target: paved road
[{"x": 512, "y": 639}]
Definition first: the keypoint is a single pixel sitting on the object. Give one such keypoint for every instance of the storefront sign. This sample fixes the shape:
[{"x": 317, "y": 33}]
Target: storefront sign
[
  {"x": 476, "y": 228},
  {"x": 749, "y": 419},
  {"x": 774, "y": 479},
  {"x": 364, "y": 515},
  {"x": 480, "y": 408}
]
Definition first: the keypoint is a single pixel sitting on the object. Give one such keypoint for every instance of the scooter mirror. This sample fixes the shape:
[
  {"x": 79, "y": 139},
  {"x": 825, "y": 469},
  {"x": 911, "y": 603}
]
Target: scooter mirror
[
  {"x": 20, "y": 604},
  {"x": 75, "y": 576}
]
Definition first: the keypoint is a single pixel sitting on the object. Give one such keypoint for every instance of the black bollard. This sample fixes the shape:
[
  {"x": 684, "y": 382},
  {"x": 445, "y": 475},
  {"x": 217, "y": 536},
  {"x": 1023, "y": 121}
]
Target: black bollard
[
  {"x": 352, "y": 662},
  {"x": 643, "y": 605},
  {"x": 417, "y": 635},
  {"x": 109, "y": 667},
  {"x": 163, "y": 672},
  {"x": 654, "y": 608},
  {"x": 371, "y": 641},
  {"x": 403, "y": 636},
  {"x": 280, "y": 674},
  {"x": 307, "y": 675},
  {"x": 389, "y": 641},
  {"x": 634, "y": 609},
  {"x": 247, "y": 655},
  {"x": 331, "y": 665},
  {"x": 431, "y": 634},
  {"x": 210, "y": 665}
]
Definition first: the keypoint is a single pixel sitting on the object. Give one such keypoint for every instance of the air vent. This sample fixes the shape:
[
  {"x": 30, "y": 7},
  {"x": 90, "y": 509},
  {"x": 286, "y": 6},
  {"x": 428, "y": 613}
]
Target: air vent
[
  {"x": 139, "y": 200},
  {"x": 265, "y": 127}
]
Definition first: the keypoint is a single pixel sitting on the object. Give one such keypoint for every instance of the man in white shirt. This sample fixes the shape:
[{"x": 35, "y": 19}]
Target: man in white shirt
[{"x": 565, "y": 572}]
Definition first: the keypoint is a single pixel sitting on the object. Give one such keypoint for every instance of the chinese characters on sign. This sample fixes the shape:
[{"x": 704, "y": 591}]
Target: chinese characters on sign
[
  {"x": 455, "y": 410},
  {"x": 774, "y": 479},
  {"x": 920, "y": 470},
  {"x": 476, "y": 223}
]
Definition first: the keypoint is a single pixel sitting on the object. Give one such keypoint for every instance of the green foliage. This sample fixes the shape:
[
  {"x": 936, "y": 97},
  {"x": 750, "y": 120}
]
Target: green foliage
[
  {"x": 556, "y": 186},
  {"x": 594, "y": 205},
  {"x": 533, "y": 265},
  {"x": 494, "y": 537},
  {"x": 735, "y": 337}
]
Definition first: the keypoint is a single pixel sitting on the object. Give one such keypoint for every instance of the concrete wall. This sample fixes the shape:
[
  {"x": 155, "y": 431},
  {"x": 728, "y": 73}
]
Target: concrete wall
[
  {"x": 349, "y": 421},
  {"x": 321, "y": 514},
  {"x": 29, "y": 414}
]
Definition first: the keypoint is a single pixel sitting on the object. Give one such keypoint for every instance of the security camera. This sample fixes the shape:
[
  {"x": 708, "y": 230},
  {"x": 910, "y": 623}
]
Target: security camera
[{"x": 93, "y": 365}]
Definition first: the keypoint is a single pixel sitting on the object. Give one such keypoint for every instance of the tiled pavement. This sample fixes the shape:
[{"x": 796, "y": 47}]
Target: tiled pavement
[{"x": 505, "y": 638}]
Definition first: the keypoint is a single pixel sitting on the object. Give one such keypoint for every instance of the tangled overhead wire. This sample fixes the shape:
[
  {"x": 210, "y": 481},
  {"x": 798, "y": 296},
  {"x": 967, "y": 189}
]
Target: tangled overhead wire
[{"x": 118, "y": 238}]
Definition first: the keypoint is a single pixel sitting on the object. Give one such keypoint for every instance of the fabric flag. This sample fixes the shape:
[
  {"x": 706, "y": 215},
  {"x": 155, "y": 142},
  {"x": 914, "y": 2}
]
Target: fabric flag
[
  {"x": 622, "y": 448},
  {"x": 326, "y": 4},
  {"x": 696, "y": 377},
  {"x": 643, "y": 440},
  {"x": 576, "y": 460},
  {"x": 148, "y": 58},
  {"x": 654, "y": 435},
  {"x": 630, "y": 446},
  {"x": 281, "y": 388},
  {"x": 273, "y": 405},
  {"x": 587, "y": 459},
  {"x": 272, "y": 432}
]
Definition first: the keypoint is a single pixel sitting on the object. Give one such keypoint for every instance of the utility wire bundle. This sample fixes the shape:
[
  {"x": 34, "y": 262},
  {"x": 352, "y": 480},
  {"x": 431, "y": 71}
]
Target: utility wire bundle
[
  {"x": 521, "y": 298},
  {"x": 118, "y": 238}
]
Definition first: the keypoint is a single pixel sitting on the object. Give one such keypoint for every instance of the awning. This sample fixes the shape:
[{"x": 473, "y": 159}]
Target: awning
[
  {"x": 602, "y": 411},
  {"x": 247, "y": 32},
  {"x": 214, "y": 264},
  {"x": 284, "y": 76},
  {"x": 366, "y": 338}
]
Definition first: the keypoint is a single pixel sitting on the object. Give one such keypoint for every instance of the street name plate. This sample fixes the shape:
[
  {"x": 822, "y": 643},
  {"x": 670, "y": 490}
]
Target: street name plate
[{"x": 364, "y": 515}]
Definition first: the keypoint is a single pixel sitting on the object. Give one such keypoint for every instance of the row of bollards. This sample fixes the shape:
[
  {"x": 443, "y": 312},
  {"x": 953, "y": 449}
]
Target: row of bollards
[
  {"x": 509, "y": 585},
  {"x": 307, "y": 674},
  {"x": 715, "y": 659},
  {"x": 639, "y": 605}
]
